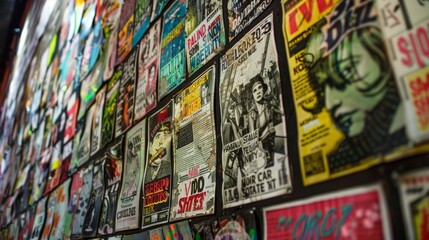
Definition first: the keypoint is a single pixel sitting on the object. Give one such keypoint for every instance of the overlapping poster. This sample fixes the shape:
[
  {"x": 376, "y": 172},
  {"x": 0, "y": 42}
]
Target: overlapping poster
[
  {"x": 96, "y": 128},
  {"x": 90, "y": 224},
  {"x": 358, "y": 213},
  {"x": 82, "y": 207},
  {"x": 39, "y": 220},
  {"x": 126, "y": 29},
  {"x": 157, "y": 178},
  {"x": 148, "y": 71},
  {"x": 406, "y": 34},
  {"x": 141, "y": 19},
  {"x": 109, "y": 115},
  {"x": 194, "y": 181},
  {"x": 59, "y": 217},
  {"x": 241, "y": 13},
  {"x": 346, "y": 99},
  {"x": 128, "y": 211},
  {"x": 254, "y": 154},
  {"x": 157, "y": 7},
  {"x": 112, "y": 181},
  {"x": 172, "y": 61},
  {"x": 205, "y": 32},
  {"x": 414, "y": 191},
  {"x": 125, "y": 108}
]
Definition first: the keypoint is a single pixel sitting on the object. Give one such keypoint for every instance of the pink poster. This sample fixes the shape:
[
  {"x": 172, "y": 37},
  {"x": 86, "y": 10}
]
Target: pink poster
[{"x": 358, "y": 213}]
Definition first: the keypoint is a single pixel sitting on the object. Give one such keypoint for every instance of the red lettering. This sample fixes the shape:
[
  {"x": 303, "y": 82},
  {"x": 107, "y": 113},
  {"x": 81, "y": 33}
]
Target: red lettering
[
  {"x": 191, "y": 203},
  {"x": 402, "y": 45},
  {"x": 419, "y": 86}
]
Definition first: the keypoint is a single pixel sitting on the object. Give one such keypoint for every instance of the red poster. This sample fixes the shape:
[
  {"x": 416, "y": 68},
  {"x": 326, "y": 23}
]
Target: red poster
[{"x": 359, "y": 213}]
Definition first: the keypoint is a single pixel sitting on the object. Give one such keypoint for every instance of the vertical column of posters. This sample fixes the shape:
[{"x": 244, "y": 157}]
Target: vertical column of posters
[
  {"x": 254, "y": 154},
  {"x": 241, "y": 14},
  {"x": 125, "y": 108},
  {"x": 414, "y": 190},
  {"x": 346, "y": 99},
  {"x": 172, "y": 62},
  {"x": 157, "y": 178},
  {"x": 194, "y": 181},
  {"x": 205, "y": 32},
  {"x": 148, "y": 70},
  {"x": 128, "y": 211},
  {"x": 406, "y": 32},
  {"x": 358, "y": 213}
]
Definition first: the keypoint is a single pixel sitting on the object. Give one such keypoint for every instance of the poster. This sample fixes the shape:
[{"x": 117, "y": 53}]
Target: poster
[
  {"x": 126, "y": 29},
  {"x": 339, "y": 103},
  {"x": 84, "y": 145},
  {"x": 358, "y": 213},
  {"x": 157, "y": 7},
  {"x": 205, "y": 32},
  {"x": 125, "y": 108},
  {"x": 194, "y": 182},
  {"x": 406, "y": 34},
  {"x": 241, "y": 226},
  {"x": 90, "y": 224},
  {"x": 156, "y": 233},
  {"x": 254, "y": 153},
  {"x": 73, "y": 202},
  {"x": 74, "y": 161},
  {"x": 137, "y": 236},
  {"x": 112, "y": 181},
  {"x": 141, "y": 19},
  {"x": 62, "y": 197},
  {"x": 39, "y": 219},
  {"x": 110, "y": 23},
  {"x": 241, "y": 13},
  {"x": 65, "y": 161},
  {"x": 72, "y": 107},
  {"x": 82, "y": 207},
  {"x": 157, "y": 178},
  {"x": 172, "y": 61},
  {"x": 96, "y": 126},
  {"x": 128, "y": 211},
  {"x": 148, "y": 70},
  {"x": 109, "y": 115},
  {"x": 414, "y": 192},
  {"x": 89, "y": 88},
  {"x": 50, "y": 209}
]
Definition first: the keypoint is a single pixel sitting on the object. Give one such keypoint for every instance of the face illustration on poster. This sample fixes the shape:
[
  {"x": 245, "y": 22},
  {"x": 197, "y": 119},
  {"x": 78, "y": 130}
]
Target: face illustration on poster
[
  {"x": 159, "y": 146},
  {"x": 151, "y": 84}
]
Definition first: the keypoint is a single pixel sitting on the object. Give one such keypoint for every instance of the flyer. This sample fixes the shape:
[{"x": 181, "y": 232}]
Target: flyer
[
  {"x": 112, "y": 181},
  {"x": 358, "y": 213},
  {"x": 414, "y": 192},
  {"x": 157, "y": 178},
  {"x": 240, "y": 226},
  {"x": 148, "y": 70},
  {"x": 241, "y": 13},
  {"x": 39, "y": 219},
  {"x": 82, "y": 207},
  {"x": 341, "y": 98},
  {"x": 73, "y": 202},
  {"x": 109, "y": 114},
  {"x": 205, "y": 32},
  {"x": 72, "y": 107},
  {"x": 59, "y": 216},
  {"x": 254, "y": 150},
  {"x": 172, "y": 61},
  {"x": 89, "y": 88},
  {"x": 141, "y": 19},
  {"x": 126, "y": 29},
  {"x": 157, "y": 7},
  {"x": 84, "y": 145},
  {"x": 97, "y": 121},
  {"x": 194, "y": 181},
  {"x": 177, "y": 231},
  {"x": 125, "y": 108},
  {"x": 128, "y": 211},
  {"x": 406, "y": 35},
  {"x": 50, "y": 209}
]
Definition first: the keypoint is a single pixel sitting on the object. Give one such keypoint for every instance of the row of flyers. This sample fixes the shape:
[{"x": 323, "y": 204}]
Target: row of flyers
[{"x": 349, "y": 214}]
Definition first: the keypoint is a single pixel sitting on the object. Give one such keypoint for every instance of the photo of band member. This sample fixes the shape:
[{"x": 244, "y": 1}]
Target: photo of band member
[{"x": 355, "y": 85}]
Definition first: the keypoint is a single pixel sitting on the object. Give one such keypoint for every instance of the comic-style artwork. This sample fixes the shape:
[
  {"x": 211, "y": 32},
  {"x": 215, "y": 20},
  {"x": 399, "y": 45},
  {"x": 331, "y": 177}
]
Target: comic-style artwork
[
  {"x": 205, "y": 32},
  {"x": 126, "y": 29},
  {"x": 112, "y": 182},
  {"x": 96, "y": 126},
  {"x": 148, "y": 71},
  {"x": 406, "y": 35},
  {"x": 90, "y": 224},
  {"x": 39, "y": 219},
  {"x": 157, "y": 178},
  {"x": 342, "y": 88},
  {"x": 73, "y": 202},
  {"x": 254, "y": 151},
  {"x": 360, "y": 212},
  {"x": 59, "y": 216},
  {"x": 242, "y": 13},
  {"x": 109, "y": 115},
  {"x": 128, "y": 211},
  {"x": 157, "y": 7},
  {"x": 414, "y": 192},
  {"x": 173, "y": 38},
  {"x": 194, "y": 182},
  {"x": 142, "y": 15},
  {"x": 110, "y": 19},
  {"x": 82, "y": 207},
  {"x": 125, "y": 108}
]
